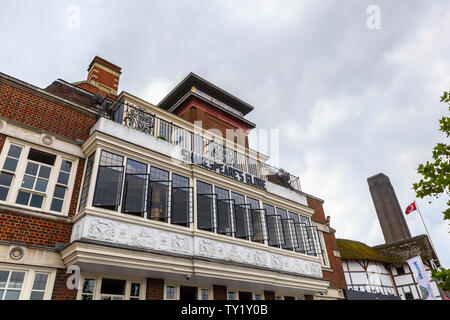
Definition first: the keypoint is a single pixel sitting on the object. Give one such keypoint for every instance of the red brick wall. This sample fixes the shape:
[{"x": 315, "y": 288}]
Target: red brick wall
[
  {"x": 18, "y": 228},
  {"x": 220, "y": 292},
  {"x": 24, "y": 107},
  {"x": 60, "y": 290},
  {"x": 155, "y": 289},
  {"x": 336, "y": 277},
  {"x": 269, "y": 295}
]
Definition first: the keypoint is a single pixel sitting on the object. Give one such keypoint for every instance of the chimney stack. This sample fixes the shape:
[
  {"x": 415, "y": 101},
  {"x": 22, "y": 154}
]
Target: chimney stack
[
  {"x": 390, "y": 215},
  {"x": 103, "y": 78}
]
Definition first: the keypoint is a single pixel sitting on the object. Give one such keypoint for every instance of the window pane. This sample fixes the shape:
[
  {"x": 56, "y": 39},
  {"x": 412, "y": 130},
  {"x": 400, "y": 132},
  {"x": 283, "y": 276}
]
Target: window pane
[
  {"x": 40, "y": 156},
  {"x": 36, "y": 200},
  {"x": 16, "y": 279},
  {"x": 181, "y": 202},
  {"x": 86, "y": 182},
  {"x": 3, "y": 278},
  {"x": 113, "y": 286},
  {"x": 5, "y": 179},
  {"x": 109, "y": 186},
  {"x": 135, "y": 289},
  {"x": 44, "y": 172},
  {"x": 159, "y": 201},
  {"x": 56, "y": 205},
  {"x": 32, "y": 168},
  {"x": 12, "y": 295},
  {"x": 37, "y": 295},
  {"x": 3, "y": 193},
  {"x": 23, "y": 197},
  {"x": 88, "y": 286},
  {"x": 66, "y": 166},
  {"x": 157, "y": 174},
  {"x": 41, "y": 185},
  {"x": 40, "y": 281},
  {"x": 59, "y": 192},
  {"x": 134, "y": 166},
  {"x": 28, "y": 182},
  {"x": 63, "y": 178},
  {"x": 110, "y": 159},
  {"x": 170, "y": 292},
  {"x": 10, "y": 164},
  {"x": 14, "y": 151},
  {"x": 86, "y": 297},
  {"x": 135, "y": 193}
]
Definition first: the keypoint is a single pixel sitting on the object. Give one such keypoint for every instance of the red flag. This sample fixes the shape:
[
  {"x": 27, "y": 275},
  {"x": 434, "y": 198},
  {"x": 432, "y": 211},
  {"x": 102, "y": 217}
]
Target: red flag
[{"x": 410, "y": 208}]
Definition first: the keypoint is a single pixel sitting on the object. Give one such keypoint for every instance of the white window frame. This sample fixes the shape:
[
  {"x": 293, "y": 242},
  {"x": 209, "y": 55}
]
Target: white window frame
[
  {"x": 176, "y": 294},
  {"x": 19, "y": 174},
  {"x": 28, "y": 280},
  {"x": 96, "y": 295},
  {"x": 325, "y": 263}
]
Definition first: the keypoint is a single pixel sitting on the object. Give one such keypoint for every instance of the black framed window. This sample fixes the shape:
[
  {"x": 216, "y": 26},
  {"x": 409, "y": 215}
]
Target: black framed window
[
  {"x": 87, "y": 181},
  {"x": 290, "y": 239},
  {"x": 181, "y": 201},
  {"x": 225, "y": 207},
  {"x": 205, "y": 206},
  {"x": 301, "y": 234},
  {"x": 257, "y": 220},
  {"x": 159, "y": 194},
  {"x": 135, "y": 188},
  {"x": 242, "y": 220},
  {"x": 273, "y": 224},
  {"x": 108, "y": 188}
]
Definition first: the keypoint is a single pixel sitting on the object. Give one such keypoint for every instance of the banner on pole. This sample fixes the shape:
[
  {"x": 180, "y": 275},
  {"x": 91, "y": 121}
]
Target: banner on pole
[{"x": 418, "y": 270}]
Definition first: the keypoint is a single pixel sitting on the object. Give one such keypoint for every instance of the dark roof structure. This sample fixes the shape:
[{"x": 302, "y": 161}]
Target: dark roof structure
[{"x": 171, "y": 101}]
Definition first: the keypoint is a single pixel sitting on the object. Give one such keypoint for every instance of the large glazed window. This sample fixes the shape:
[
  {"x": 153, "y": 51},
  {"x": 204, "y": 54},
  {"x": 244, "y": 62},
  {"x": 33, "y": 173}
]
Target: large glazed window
[
  {"x": 135, "y": 188},
  {"x": 206, "y": 204},
  {"x": 181, "y": 201},
  {"x": 109, "y": 181},
  {"x": 86, "y": 182},
  {"x": 242, "y": 220},
  {"x": 225, "y": 207},
  {"x": 274, "y": 228},
  {"x": 257, "y": 218},
  {"x": 290, "y": 238},
  {"x": 159, "y": 194}
]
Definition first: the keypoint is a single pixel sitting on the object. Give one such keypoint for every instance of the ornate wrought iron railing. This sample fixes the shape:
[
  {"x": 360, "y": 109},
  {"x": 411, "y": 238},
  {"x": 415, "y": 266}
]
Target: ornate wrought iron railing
[{"x": 140, "y": 119}]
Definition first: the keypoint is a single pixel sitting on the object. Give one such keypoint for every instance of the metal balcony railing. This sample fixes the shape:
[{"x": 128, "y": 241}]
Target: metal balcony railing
[{"x": 140, "y": 119}]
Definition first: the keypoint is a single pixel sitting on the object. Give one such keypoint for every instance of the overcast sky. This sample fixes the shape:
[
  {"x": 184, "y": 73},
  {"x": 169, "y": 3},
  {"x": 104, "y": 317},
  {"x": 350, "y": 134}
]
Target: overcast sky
[{"x": 350, "y": 101}]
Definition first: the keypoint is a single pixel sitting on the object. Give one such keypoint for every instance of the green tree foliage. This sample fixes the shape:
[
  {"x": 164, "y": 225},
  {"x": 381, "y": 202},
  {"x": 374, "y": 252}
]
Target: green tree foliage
[
  {"x": 436, "y": 174},
  {"x": 442, "y": 276}
]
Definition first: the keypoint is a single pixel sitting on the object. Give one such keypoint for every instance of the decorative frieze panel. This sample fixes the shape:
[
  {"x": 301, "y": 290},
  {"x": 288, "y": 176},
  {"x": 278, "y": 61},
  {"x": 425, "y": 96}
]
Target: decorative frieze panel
[{"x": 110, "y": 231}]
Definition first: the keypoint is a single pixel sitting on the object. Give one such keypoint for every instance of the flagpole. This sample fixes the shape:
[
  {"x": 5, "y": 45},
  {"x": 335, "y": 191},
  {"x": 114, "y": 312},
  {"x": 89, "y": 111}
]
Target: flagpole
[{"x": 426, "y": 229}]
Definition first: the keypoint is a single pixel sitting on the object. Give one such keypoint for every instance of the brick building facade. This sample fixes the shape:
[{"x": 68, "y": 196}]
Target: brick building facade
[{"x": 65, "y": 199}]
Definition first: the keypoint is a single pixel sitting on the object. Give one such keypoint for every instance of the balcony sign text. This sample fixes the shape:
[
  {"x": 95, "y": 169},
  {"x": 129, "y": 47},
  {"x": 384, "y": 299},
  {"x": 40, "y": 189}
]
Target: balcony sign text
[{"x": 226, "y": 170}]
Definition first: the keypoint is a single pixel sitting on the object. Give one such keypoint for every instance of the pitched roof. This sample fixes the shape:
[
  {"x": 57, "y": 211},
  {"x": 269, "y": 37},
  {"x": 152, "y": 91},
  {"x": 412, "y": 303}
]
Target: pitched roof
[{"x": 355, "y": 250}]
